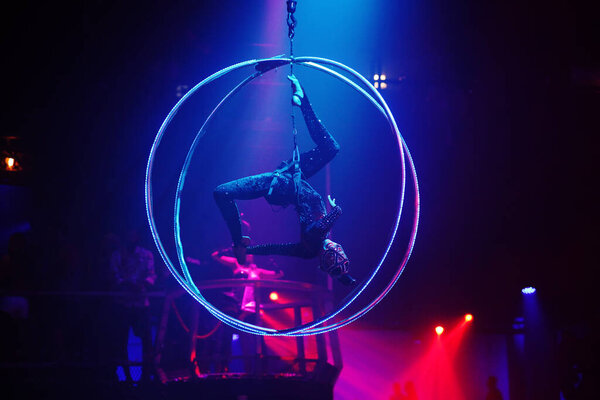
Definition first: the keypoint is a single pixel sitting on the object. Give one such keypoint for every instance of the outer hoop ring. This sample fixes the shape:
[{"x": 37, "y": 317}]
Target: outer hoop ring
[{"x": 187, "y": 283}]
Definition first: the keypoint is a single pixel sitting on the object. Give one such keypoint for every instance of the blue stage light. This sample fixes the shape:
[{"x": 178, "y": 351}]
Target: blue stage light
[
  {"x": 528, "y": 290},
  {"x": 519, "y": 323}
]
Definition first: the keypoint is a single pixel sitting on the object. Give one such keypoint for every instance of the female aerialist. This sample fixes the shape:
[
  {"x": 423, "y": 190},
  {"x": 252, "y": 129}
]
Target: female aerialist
[{"x": 287, "y": 185}]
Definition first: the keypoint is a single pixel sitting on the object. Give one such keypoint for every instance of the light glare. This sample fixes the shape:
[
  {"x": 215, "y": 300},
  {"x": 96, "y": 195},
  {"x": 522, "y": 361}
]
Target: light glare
[
  {"x": 528, "y": 290},
  {"x": 274, "y": 296},
  {"x": 439, "y": 329},
  {"x": 469, "y": 317}
]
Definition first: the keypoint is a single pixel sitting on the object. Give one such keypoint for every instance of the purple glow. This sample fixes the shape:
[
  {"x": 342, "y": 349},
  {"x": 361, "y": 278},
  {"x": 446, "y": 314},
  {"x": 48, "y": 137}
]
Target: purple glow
[{"x": 528, "y": 290}]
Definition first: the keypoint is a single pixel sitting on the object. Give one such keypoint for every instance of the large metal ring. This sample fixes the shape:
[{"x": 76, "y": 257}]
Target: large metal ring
[{"x": 186, "y": 281}]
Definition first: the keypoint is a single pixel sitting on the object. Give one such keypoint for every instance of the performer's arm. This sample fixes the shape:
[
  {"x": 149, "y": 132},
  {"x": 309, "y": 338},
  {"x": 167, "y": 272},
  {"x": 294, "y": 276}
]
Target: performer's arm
[
  {"x": 325, "y": 224},
  {"x": 268, "y": 274},
  {"x": 230, "y": 262}
]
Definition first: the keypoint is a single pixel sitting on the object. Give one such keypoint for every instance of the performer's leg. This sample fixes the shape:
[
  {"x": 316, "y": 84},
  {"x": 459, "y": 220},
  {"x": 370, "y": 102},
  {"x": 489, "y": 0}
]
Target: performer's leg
[
  {"x": 251, "y": 187},
  {"x": 327, "y": 147},
  {"x": 313, "y": 160}
]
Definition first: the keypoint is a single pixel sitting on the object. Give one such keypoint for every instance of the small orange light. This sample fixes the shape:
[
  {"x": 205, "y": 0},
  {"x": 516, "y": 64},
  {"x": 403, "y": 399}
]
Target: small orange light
[
  {"x": 439, "y": 329},
  {"x": 10, "y": 163},
  {"x": 376, "y": 85},
  {"x": 383, "y": 85},
  {"x": 274, "y": 296},
  {"x": 469, "y": 317},
  {"x": 382, "y": 77}
]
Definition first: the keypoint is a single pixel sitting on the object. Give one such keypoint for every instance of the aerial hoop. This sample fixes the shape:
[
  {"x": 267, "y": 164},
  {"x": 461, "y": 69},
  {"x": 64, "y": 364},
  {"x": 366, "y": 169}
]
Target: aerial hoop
[{"x": 185, "y": 280}]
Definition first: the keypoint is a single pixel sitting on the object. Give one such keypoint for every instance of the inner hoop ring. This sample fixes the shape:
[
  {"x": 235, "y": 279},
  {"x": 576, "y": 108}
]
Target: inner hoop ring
[{"x": 264, "y": 65}]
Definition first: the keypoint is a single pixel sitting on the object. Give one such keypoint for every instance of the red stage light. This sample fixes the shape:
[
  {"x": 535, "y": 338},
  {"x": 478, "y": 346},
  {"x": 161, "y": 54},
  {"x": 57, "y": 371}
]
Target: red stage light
[
  {"x": 439, "y": 329},
  {"x": 274, "y": 296},
  {"x": 11, "y": 164},
  {"x": 469, "y": 317}
]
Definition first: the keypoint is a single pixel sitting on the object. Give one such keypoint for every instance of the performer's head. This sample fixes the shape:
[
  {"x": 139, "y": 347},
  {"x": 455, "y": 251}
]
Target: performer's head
[{"x": 333, "y": 259}]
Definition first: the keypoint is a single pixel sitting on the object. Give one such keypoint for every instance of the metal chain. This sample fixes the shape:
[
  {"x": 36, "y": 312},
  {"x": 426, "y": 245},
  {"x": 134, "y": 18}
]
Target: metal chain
[{"x": 291, "y": 22}]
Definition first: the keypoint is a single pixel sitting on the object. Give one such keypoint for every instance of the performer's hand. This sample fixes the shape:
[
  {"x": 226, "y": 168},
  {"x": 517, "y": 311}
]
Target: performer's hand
[
  {"x": 196, "y": 261},
  {"x": 331, "y": 201},
  {"x": 298, "y": 93}
]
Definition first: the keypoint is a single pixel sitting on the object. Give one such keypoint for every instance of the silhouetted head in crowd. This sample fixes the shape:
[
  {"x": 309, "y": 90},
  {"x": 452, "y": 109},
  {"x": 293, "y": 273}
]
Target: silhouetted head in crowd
[{"x": 133, "y": 240}]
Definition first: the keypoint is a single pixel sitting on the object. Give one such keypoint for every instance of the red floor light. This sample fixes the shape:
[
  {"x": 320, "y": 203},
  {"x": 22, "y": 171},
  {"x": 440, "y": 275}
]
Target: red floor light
[
  {"x": 439, "y": 329},
  {"x": 469, "y": 317}
]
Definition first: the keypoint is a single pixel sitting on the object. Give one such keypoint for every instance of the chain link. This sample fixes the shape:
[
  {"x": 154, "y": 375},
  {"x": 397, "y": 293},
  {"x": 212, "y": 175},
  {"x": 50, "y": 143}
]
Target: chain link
[{"x": 291, "y": 22}]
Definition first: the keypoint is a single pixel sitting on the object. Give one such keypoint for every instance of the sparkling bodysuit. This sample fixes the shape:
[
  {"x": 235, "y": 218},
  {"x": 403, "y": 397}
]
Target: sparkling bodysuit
[{"x": 279, "y": 188}]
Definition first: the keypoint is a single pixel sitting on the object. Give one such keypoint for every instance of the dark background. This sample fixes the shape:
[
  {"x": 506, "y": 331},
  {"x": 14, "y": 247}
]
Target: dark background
[{"x": 498, "y": 103}]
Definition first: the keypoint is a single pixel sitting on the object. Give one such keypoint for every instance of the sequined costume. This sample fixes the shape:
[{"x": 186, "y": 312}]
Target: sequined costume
[{"x": 280, "y": 188}]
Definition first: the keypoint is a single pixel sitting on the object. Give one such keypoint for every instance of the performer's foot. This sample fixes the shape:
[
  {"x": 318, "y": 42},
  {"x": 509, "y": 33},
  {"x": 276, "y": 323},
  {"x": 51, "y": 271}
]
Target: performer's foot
[
  {"x": 298, "y": 94},
  {"x": 239, "y": 250}
]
